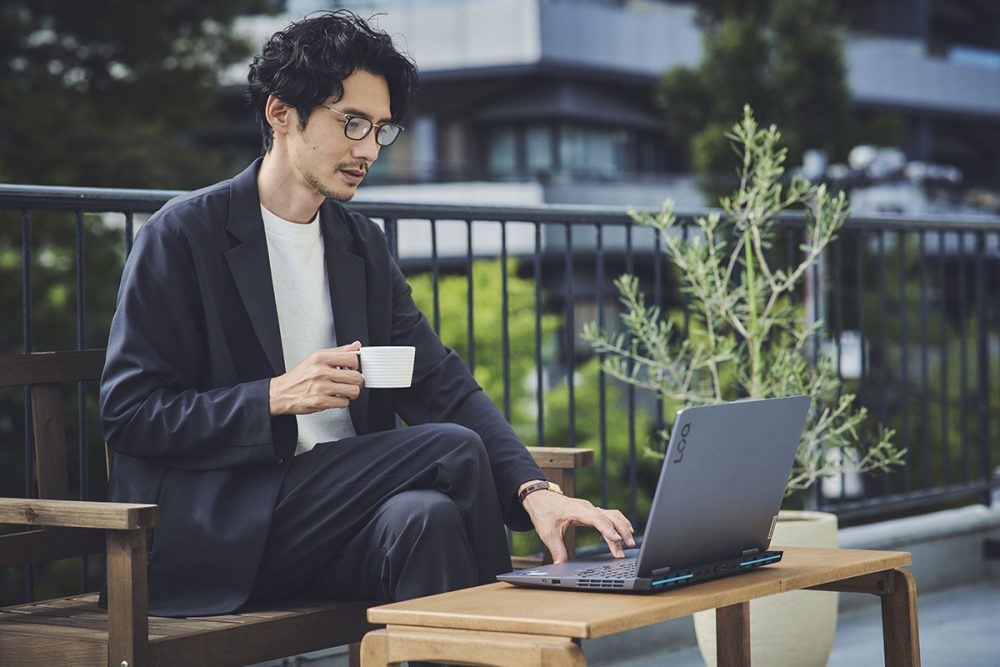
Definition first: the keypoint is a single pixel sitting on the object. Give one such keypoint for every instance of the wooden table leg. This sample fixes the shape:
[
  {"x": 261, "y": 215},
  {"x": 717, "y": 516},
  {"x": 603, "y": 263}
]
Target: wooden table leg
[
  {"x": 374, "y": 649},
  {"x": 396, "y": 644},
  {"x": 732, "y": 635},
  {"x": 900, "y": 634}
]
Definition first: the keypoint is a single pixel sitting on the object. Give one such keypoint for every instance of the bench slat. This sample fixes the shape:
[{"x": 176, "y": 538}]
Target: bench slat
[
  {"x": 51, "y": 367},
  {"x": 20, "y": 648},
  {"x": 78, "y": 514},
  {"x": 36, "y": 546}
]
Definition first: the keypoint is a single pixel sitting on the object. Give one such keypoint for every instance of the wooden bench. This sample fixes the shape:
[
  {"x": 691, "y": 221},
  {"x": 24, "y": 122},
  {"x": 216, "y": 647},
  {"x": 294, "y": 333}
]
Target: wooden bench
[{"x": 74, "y": 631}]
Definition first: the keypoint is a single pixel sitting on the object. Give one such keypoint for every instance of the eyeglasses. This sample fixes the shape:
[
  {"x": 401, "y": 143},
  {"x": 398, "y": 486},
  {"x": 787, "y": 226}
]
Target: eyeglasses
[{"x": 357, "y": 128}]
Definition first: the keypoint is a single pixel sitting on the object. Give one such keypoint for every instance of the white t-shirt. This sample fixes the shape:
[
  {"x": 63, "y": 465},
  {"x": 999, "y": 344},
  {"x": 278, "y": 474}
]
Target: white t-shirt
[{"x": 305, "y": 313}]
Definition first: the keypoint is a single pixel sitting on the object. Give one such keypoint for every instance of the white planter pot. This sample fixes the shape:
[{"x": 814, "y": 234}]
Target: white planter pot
[{"x": 794, "y": 629}]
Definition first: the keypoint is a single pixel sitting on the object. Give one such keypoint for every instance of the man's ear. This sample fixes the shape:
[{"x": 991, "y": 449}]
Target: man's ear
[{"x": 280, "y": 116}]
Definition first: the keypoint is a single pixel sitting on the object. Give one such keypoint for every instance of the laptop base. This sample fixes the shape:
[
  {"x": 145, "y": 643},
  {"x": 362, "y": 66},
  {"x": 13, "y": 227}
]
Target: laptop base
[{"x": 557, "y": 576}]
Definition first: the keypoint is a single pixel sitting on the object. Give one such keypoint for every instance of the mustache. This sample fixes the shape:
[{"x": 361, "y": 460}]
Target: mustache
[{"x": 354, "y": 166}]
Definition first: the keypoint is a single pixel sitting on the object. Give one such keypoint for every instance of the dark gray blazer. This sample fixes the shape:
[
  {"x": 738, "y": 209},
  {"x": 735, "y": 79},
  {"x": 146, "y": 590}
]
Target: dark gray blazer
[{"x": 184, "y": 394}]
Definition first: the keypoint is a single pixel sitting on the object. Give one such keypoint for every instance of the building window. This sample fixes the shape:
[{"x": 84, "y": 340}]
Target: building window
[
  {"x": 582, "y": 150},
  {"x": 501, "y": 151},
  {"x": 595, "y": 150},
  {"x": 539, "y": 144}
]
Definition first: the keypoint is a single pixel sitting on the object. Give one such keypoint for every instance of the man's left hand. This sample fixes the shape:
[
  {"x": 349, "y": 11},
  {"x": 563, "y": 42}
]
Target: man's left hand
[{"x": 552, "y": 513}]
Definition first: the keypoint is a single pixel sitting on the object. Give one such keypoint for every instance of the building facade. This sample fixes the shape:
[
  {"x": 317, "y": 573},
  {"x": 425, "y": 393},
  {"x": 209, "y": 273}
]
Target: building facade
[{"x": 551, "y": 101}]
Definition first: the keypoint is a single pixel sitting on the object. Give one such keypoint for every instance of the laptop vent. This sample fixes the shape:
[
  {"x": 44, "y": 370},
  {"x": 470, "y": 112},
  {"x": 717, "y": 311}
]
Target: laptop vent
[{"x": 600, "y": 583}]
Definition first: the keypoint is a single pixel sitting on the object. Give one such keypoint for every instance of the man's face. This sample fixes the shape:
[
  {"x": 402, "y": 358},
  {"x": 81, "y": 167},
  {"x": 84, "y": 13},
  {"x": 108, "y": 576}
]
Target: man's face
[{"x": 324, "y": 159}]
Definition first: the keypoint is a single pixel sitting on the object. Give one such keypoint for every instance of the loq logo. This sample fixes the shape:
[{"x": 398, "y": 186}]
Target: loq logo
[{"x": 682, "y": 445}]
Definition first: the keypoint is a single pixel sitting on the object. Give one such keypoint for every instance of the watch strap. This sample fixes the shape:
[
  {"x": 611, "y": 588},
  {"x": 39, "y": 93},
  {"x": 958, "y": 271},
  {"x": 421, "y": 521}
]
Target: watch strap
[{"x": 531, "y": 488}]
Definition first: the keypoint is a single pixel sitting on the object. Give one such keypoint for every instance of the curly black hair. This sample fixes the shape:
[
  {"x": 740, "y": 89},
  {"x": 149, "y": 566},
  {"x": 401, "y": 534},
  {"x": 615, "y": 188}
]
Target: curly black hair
[{"x": 308, "y": 61}]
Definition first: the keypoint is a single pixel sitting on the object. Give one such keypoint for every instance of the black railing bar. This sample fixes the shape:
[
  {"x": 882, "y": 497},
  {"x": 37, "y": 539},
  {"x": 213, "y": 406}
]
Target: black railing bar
[
  {"x": 392, "y": 235},
  {"x": 904, "y": 351},
  {"x": 435, "y": 277},
  {"x": 129, "y": 231},
  {"x": 859, "y": 271},
  {"x": 633, "y": 468},
  {"x": 81, "y": 337},
  {"x": 883, "y": 390},
  {"x": 504, "y": 321},
  {"x": 685, "y": 297},
  {"x": 862, "y": 338},
  {"x": 983, "y": 359},
  {"x": 570, "y": 337},
  {"x": 147, "y": 201},
  {"x": 837, "y": 329},
  {"x": 883, "y": 505},
  {"x": 925, "y": 400},
  {"x": 963, "y": 385},
  {"x": 943, "y": 346},
  {"x": 817, "y": 293},
  {"x": 539, "y": 366},
  {"x": 658, "y": 301},
  {"x": 26, "y": 279},
  {"x": 81, "y": 408},
  {"x": 562, "y": 214},
  {"x": 29, "y": 452},
  {"x": 54, "y": 197},
  {"x": 987, "y": 463},
  {"x": 815, "y": 494},
  {"x": 602, "y": 409},
  {"x": 470, "y": 326}
]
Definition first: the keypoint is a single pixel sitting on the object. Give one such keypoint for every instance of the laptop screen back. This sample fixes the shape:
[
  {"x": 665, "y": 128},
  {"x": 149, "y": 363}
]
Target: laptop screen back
[{"x": 722, "y": 481}]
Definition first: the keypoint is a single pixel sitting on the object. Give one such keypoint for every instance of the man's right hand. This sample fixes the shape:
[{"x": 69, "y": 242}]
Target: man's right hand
[{"x": 325, "y": 379}]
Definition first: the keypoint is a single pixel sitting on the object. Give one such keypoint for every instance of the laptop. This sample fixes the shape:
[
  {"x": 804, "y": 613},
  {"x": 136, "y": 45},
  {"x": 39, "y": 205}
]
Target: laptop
[{"x": 715, "y": 507}]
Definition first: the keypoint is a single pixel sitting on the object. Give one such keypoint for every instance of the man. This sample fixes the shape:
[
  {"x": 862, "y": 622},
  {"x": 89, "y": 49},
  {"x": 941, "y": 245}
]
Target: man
[{"x": 230, "y": 398}]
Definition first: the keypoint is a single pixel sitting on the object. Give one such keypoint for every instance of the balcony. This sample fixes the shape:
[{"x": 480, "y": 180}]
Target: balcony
[{"x": 910, "y": 318}]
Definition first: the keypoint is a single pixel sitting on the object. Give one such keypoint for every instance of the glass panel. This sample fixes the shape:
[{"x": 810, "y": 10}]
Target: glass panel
[
  {"x": 501, "y": 153},
  {"x": 597, "y": 150},
  {"x": 539, "y": 140}
]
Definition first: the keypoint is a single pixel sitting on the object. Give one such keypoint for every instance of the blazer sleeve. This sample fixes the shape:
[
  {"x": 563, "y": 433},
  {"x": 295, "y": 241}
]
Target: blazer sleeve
[
  {"x": 152, "y": 404},
  {"x": 444, "y": 390}
]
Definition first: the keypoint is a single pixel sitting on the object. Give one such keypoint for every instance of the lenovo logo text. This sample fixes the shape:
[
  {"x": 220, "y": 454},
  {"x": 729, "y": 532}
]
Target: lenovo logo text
[{"x": 682, "y": 444}]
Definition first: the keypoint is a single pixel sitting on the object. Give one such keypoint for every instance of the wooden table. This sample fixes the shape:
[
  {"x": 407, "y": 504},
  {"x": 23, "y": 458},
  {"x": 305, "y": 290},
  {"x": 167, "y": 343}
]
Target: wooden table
[{"x": 500, "y": 624}]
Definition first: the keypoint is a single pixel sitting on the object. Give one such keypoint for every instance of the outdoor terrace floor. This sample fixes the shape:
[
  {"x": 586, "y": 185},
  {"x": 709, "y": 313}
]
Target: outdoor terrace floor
[{"x": 959, "y": 627}]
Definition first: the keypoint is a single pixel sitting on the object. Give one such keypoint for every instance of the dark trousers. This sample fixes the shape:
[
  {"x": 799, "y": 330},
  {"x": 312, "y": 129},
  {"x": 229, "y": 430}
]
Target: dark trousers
[{"x": 386, "y": 516}]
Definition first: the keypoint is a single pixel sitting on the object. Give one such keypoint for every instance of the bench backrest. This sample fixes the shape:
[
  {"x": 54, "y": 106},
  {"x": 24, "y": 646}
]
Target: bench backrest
[{"x": 44, "y": 374}]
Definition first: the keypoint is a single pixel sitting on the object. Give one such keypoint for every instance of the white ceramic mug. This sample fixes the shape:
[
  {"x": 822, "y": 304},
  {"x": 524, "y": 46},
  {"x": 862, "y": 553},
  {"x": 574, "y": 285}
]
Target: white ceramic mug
[{"x": 387, "y": 366}]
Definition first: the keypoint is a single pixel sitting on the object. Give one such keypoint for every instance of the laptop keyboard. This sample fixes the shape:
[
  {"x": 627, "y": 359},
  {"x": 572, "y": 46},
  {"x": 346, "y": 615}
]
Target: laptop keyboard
[{"x": 619, "y": 569}]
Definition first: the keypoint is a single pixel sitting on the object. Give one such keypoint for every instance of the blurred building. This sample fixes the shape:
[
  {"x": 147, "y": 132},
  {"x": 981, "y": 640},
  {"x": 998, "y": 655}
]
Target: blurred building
[{"x": 550, "y": 101}]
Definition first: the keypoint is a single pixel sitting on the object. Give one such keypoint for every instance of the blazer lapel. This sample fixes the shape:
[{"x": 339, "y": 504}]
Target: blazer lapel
[
  {"x": 348, "y": 294},
  {"x": 250, "y": 266}
]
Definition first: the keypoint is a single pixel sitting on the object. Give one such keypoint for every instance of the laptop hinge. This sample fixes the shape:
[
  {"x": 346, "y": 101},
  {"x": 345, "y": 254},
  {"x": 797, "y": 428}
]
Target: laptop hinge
[
  {"x": 750, "y": 552},
  {"x": 658, "y": 571}
]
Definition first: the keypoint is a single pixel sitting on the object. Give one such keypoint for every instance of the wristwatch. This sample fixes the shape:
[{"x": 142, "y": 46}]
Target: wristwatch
[{"x": 539, "y": 486}]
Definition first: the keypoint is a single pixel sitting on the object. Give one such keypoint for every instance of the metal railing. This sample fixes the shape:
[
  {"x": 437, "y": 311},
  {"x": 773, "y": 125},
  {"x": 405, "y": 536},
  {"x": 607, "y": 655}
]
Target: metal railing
[{"x": 911, "y": 320}]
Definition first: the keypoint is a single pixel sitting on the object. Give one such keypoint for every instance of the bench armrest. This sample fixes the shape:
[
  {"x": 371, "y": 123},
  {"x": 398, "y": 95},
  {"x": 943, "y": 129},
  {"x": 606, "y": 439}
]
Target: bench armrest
[
  {"x": 562, "y": 458},
  {"x": 78, "y": 514}
]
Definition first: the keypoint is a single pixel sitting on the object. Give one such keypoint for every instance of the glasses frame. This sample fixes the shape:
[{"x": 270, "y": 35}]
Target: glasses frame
[{"x": 371, "y": 126}]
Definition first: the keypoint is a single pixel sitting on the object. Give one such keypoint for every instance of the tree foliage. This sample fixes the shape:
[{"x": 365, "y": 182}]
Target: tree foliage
[
  {"x": 108, "y": 93},
  {"x": 747, "y": 339},
  {"x": 488, "y": 318},
  {"x": 783, "y": 58}
]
